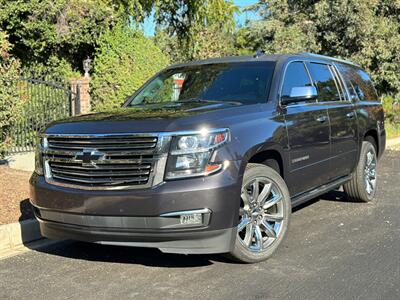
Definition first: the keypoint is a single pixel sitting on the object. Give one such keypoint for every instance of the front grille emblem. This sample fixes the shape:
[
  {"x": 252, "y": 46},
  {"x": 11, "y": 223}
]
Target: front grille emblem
[{"x": 89, "y": 157}]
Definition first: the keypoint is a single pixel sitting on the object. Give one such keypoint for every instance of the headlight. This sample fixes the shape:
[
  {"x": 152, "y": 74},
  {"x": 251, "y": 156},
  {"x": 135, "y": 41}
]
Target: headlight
[
  {"x": 39, "y": 157},
  {"x": 190, "y": 154}
]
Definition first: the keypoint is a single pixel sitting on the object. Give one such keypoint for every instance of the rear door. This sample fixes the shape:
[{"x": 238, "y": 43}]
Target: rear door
[
  {"x": 342, "y": 116},
  {"x": 307, "y": 126}
]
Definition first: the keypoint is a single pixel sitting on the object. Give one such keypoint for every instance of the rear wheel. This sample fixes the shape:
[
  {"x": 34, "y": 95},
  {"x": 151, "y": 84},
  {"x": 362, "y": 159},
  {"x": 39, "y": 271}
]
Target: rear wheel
[
  {"x": 264, "y": 214},
  {"x": 362, "y": 186}
]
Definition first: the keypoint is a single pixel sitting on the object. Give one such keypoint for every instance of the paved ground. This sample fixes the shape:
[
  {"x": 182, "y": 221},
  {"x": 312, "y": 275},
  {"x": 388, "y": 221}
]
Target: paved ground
[{"x": 335, "y": 249}]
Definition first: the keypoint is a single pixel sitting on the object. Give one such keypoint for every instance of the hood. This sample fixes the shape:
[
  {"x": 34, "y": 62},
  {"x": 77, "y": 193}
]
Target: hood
[{"x": 150, "y": 118}]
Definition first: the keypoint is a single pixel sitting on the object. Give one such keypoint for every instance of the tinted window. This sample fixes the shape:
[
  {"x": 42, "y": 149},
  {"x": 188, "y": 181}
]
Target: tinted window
[
  {"x": 295, "y": 76},
  {"x": 241, "y": 82},
  {"x": 359, "y": 83},
  {"x": 325, "y": 82}
]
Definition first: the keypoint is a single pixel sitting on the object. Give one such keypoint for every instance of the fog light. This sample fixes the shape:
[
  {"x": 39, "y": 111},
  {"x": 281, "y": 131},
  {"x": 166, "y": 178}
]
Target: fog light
[{"x": 191, "y": 219}]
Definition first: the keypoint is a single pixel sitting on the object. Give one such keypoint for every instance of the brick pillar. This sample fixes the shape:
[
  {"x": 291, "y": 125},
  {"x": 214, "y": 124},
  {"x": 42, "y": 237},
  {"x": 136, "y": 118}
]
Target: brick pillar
[{"x": 80, "y": 86}]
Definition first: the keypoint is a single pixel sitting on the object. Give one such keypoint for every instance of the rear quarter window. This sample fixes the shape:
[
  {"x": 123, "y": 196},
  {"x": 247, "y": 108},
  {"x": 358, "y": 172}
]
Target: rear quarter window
[{"x": 358, "y": 82}]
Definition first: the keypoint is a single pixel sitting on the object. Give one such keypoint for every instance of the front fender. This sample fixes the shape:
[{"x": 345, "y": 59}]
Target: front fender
[{"x": 255, "y": 136}]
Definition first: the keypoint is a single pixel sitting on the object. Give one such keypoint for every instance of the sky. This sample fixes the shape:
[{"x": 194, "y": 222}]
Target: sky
[{"x": 241, "y": 18}]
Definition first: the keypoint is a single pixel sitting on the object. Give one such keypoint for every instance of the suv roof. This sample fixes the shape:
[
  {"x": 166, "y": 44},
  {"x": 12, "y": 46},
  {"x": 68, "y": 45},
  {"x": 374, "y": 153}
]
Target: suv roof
[{"x": 260, "y": 56}]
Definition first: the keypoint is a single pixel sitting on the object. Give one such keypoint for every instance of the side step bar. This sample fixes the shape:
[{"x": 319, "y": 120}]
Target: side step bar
[{"x": 304, "y": 197}]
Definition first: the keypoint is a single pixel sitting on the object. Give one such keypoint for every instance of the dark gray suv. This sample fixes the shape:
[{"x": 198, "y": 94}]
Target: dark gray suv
[{"x": 211, "y": 156}]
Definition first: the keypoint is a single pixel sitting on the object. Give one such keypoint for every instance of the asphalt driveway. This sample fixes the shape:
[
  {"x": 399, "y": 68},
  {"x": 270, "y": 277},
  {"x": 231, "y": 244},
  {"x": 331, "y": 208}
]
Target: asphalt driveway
[{"x": 335, "y": 249}]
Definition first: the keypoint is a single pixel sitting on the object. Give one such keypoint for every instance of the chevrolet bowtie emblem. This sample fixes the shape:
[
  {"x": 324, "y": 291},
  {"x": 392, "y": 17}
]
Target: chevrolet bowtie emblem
[{"x": 89, "y": 157}]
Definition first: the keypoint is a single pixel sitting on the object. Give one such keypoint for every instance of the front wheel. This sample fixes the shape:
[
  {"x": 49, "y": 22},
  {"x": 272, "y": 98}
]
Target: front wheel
[{"x": 263, "y": 216}]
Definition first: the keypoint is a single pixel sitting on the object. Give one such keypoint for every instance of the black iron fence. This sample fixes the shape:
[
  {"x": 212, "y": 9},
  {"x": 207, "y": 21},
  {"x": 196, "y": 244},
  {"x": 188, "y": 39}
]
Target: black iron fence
[{"x": 43, "y": 99}]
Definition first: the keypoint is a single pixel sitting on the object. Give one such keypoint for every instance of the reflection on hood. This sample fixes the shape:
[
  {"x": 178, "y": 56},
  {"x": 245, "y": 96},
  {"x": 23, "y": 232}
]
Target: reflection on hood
[{"x": 157, "y": 111}]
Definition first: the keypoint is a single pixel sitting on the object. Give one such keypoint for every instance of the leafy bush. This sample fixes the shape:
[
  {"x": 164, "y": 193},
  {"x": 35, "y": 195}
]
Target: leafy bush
[
  {"x": 124, "y": 59},
  {"x": 391, "y": 108},
  {"x": 392, "y": 116},
  {"x": 9, "y": 71}
]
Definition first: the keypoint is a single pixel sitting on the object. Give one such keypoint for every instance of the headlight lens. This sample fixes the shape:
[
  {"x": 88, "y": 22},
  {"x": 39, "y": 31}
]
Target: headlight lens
[
  {"x": 190, "y": 154},
  {"x": 39, "y": 157}
]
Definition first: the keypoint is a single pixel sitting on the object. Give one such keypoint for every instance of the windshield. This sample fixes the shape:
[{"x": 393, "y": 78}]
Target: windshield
[{"x": 247, "y": 83}]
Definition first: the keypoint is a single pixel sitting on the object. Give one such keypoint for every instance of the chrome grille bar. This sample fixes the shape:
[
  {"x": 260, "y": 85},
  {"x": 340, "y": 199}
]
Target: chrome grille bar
[{"x": 114, "y": 161}]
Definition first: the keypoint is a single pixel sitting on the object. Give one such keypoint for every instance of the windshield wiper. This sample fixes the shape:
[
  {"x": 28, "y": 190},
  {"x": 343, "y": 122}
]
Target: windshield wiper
[{"x": 199, "y": 100}]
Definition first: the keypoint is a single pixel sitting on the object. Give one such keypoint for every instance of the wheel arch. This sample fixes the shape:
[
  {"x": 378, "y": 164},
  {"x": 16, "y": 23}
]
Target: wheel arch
[
  {"x": 271, "y": 156},
  {"x": 374, "y": 134}
]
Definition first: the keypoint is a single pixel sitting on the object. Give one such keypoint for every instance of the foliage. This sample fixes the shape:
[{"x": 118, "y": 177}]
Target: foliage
[
  {"x": 392, "y": 116},
  {"x": 9, "y": 70},
  {"x": 64, "y": 30},
  {"x": 206, "y": 44},
  {"x": 365, "y": 31},
  {"x": 56, "y": 35},
  {"x": 391, "y": 108},
  {"x": 185, "y": 18},
  {"x": 124, "y": 59}
]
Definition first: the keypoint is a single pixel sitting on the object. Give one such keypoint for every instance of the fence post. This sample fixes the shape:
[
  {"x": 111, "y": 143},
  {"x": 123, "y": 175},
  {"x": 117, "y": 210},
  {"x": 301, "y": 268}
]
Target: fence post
[{"x": 80, "y": 87}]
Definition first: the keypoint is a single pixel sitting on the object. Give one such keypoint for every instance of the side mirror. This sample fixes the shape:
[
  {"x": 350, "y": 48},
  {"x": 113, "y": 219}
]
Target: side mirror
[{"x": 298, "y": 94}]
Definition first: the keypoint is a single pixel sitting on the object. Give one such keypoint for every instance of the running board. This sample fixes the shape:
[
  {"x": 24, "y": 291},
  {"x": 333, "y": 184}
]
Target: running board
[{"x": 300, "y": 199}]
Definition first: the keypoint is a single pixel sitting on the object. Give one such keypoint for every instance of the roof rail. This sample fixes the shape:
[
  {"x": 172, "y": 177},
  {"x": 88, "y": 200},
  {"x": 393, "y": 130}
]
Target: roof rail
[{"x": 328, "y": 58}]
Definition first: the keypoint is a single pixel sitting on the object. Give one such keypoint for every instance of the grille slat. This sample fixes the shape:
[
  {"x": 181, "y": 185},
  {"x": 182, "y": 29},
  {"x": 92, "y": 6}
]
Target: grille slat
[
  {"x": 108, "y": 152},
  {"x": 103, "y": 167},
  {"x": 99, "y": 174},
  {"x": 104, "y": 162},
  {"x": 109, "y": 181},
  {"x": 117, "y": 161},
  {"x": 106, "y": 141},
  {"x": 101, "y": 147}
]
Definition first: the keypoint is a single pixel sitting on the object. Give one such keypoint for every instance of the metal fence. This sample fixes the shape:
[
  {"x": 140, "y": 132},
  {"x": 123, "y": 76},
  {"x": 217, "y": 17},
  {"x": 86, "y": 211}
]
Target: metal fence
[{"x": 43, "y": 99}]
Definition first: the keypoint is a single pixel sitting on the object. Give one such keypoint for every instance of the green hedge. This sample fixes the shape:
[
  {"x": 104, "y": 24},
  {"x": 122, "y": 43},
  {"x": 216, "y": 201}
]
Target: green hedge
[
  {"x": 9, "y": 70},
  {"x": 124, "y": 60},
  {"x": 392, "y": 116}
]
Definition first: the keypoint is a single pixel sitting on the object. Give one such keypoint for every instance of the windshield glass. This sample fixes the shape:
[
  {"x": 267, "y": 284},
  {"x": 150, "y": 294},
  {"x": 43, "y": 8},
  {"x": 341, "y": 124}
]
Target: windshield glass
[{"x": 247, "y": 83}]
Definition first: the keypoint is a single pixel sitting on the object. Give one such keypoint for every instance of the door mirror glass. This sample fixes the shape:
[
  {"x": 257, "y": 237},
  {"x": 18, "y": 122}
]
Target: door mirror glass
[{"x": 298, "y": 94}]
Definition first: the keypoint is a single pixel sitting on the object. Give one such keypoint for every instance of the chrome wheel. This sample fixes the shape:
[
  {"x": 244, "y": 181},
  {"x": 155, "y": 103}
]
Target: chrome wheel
[
  {"x": 370, "y": 173},
  {"x": 261, "y": 214}
]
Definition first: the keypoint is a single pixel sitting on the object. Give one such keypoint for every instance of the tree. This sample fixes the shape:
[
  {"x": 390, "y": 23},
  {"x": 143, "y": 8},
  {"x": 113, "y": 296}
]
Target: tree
[
  {"x": 124, "y": 60},
  {"x": 9, "y": 70},
  {"x": 209, "y": 42},
  {"x": 365, "y": 31},
  {"x": 55, "y": 32},
  {"x": 59, "y": 34}
]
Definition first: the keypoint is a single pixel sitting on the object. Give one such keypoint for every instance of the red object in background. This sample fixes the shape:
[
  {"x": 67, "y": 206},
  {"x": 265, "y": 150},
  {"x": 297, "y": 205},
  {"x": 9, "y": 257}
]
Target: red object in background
[{"x": 178, "y": 82}]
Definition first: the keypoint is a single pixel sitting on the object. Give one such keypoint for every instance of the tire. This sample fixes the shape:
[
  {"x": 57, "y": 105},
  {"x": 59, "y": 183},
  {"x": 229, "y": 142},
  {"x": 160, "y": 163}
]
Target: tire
[
  {"x": 363, "y": 185},
  {"x": 268, "y": 217}
]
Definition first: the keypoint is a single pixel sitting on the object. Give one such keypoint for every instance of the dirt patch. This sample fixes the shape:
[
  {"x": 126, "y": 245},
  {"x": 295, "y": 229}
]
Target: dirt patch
[
  {"x": 394, "y": 147},
  {"x": 14, "y": 195}
]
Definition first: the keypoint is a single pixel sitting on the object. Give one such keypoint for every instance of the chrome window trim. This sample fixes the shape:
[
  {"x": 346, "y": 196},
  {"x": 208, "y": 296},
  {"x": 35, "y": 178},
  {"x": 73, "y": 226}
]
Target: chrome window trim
[{"x": 345, "y": 87}]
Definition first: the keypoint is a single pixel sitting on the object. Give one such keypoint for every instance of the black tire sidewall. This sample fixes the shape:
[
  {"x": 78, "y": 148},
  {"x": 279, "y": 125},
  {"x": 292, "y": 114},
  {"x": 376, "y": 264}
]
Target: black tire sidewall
[{"x": 366, "y": 147}]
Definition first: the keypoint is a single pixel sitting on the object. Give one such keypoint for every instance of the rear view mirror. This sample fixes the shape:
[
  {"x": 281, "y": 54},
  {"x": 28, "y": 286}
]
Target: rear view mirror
[{"x": 298, "y": 94}]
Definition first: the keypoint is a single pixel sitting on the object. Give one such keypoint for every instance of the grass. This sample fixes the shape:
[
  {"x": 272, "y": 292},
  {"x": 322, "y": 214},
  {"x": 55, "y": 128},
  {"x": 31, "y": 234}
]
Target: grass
[{"x": 392, "y": 130}]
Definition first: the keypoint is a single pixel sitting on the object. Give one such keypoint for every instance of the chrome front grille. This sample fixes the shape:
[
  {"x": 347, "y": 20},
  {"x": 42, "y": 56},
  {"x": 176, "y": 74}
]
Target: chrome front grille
[
  {"x": 103, "y": 161},
  {"x": 111, "y": 144}
]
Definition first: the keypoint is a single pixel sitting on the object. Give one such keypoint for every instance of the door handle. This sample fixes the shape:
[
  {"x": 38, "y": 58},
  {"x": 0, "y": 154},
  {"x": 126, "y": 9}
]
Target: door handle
[
  {"x": 322, "y": 119},
  {"x": 350, "y": 115}
]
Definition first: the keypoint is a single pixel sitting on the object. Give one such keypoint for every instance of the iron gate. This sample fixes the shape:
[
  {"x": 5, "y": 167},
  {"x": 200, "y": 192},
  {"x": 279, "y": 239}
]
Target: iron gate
[{"x": 42, "y": 100}]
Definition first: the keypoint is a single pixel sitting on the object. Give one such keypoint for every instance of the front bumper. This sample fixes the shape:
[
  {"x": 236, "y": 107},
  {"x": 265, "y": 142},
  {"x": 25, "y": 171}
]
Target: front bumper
[
  {"x": 185, "y": 242},
  {"x": 136, "y": 217}
]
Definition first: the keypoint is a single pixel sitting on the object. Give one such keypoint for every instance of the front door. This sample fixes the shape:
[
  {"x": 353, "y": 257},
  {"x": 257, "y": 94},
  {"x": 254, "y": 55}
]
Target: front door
[{"x": 308, "y": 131}]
